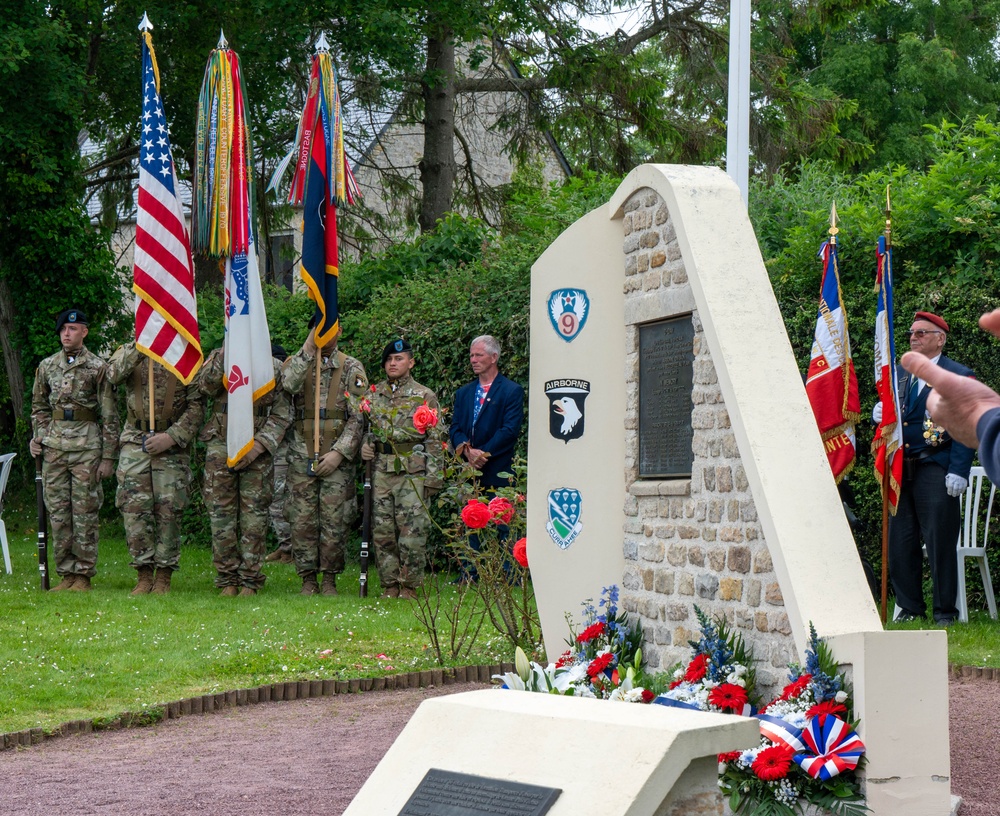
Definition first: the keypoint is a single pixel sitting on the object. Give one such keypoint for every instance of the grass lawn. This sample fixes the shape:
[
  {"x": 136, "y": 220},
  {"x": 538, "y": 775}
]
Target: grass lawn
[{"x": 69, "y": 655}]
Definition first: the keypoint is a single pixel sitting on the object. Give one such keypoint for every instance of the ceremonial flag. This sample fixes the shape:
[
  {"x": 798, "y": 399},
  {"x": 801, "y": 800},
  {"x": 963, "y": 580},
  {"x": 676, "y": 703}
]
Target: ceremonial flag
[
  {"x": 831, "y": 384},
  {"x": 166, "y": 312},
  {"x": 224, "y": 227},
  {"x": 887, "y": 446},
  {"x": 322, "y": 181}
]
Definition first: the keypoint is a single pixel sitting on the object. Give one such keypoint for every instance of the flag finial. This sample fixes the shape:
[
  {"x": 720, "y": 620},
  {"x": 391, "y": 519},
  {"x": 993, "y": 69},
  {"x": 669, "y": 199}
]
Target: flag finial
[
  {"x": 322, "y": 45},
  {"x": 223, "y": 43},
  {"x": 833, "y": 223},
  {"x": 145, "y": 24}
]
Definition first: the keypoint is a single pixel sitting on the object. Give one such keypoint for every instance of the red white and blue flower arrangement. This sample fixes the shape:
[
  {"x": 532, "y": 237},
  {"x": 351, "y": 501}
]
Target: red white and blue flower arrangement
[
  {"x": 720, "y": 676},
  {"x": 603, "y": 661},
  {"x": 809, "y": 751}
]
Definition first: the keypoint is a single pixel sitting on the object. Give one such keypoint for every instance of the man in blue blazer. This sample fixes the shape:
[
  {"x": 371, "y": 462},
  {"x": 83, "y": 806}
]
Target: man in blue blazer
[
  {"x": 935, "y": 473},
  {"x": 487, "y": 416}
]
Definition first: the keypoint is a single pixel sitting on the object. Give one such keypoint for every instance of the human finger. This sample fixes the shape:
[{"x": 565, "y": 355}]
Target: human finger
[
  {"x": 931, "y": 373},
  {"x": 991, "y": 322}
]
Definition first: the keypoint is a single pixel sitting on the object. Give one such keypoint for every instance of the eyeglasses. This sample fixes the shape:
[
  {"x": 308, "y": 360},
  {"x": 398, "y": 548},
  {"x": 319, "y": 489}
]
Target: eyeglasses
[{"x": 920, "y": 333}]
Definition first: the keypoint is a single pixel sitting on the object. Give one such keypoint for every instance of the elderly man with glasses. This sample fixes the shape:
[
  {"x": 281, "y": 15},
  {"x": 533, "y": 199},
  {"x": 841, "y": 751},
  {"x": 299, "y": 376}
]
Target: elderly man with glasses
[{"x": 935, "y": 474}]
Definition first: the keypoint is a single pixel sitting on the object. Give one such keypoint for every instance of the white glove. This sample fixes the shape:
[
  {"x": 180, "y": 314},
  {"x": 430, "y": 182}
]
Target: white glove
[
  {"x": 955, "y": 485},
  {"x": 877, "y": 412}
]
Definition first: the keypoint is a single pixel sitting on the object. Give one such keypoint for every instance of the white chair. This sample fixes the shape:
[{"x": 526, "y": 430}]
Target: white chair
[
  {"x": 5, "y": 462},
  {"x": 971, "y": 545}
]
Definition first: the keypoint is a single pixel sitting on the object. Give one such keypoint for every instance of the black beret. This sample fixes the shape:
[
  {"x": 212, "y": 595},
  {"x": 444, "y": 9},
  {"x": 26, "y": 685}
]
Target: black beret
[
  {"x": 397, "y": 346},
  {"x": 70, "y": 316}
]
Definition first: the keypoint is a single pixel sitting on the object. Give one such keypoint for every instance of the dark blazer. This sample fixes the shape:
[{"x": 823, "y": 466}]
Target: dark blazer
[
  {"x": 496, "y": 428},
  {"x": 953, "y": 456}
]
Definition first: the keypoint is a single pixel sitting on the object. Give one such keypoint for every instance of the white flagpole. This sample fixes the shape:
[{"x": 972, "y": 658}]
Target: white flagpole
[{"x": 738, "y": 114}]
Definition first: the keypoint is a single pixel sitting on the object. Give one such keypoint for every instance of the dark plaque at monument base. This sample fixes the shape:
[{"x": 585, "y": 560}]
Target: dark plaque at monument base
[
  {"x": 445, "y": 793},
  {"x": 666, "y": 362}
]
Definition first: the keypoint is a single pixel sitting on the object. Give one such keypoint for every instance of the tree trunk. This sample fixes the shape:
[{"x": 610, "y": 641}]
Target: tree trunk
[
  {"x": 437, "y": 167},
  {"x": 11, "y": 354}
]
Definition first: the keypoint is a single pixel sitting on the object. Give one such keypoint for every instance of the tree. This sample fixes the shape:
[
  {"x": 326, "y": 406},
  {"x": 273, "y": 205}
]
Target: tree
[
  {"x": 50, "y": 256},
  {"x": 894, "y": 67}
]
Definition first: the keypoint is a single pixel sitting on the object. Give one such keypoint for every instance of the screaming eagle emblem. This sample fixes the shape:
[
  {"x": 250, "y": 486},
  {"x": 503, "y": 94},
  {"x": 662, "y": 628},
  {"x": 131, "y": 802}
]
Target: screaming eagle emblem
[{"x": 566, "y": 407}]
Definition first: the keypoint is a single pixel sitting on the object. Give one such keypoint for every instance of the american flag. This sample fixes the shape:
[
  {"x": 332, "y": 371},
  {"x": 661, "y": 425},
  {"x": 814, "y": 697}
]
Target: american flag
[{"x": 166, "y": 312}]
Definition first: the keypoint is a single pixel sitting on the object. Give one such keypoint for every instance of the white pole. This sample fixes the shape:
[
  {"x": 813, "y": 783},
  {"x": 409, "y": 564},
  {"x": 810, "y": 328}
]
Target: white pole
[{"x": 738, "y": 114}]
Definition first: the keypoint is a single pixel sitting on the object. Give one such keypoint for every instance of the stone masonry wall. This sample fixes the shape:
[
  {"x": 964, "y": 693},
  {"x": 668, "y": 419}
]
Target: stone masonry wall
[{"x": 694, "y": 541}]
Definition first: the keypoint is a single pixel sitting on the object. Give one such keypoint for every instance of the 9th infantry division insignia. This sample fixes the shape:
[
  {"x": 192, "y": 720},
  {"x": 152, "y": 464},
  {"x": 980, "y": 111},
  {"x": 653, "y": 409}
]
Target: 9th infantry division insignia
[
  {"x": 568, "y": 311},
  {"x": 564, "y": 516},
  {"x": 566, "y": 401}
]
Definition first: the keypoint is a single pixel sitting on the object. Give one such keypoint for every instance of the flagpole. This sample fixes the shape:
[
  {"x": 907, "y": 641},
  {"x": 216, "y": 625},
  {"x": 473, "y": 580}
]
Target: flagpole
[
  {"x": 887, "y": 469},
  {"x": 316, "y": 389},
  {"x": 149, "y": 379}
]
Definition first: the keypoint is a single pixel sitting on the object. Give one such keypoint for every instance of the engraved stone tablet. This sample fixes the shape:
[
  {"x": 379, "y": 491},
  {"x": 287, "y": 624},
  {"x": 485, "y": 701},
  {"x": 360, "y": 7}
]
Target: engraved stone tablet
[
  {"x": 445, "y": 793},
  {"x": 666, "y": 358}
]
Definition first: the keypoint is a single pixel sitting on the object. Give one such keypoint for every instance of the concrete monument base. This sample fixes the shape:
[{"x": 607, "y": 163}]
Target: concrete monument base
[{"x": 616, "y": 759}]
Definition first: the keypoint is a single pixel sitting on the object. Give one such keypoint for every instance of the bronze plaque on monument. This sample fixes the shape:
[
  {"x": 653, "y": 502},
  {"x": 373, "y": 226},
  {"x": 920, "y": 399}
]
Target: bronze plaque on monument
[
  {"x": 446, "y": 793},
  {"x": 666, "y": 362}
]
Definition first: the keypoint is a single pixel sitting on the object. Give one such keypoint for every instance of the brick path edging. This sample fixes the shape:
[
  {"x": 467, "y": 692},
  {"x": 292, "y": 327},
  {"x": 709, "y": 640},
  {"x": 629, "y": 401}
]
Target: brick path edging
[
  {"x": 268, "y": 693},
  {"x": 973, "y": 672},
  {"x": 304, "y": 689}
]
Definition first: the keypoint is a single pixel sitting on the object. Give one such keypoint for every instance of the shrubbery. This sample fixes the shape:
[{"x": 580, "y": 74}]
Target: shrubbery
[{"x": 946, "y": 252}]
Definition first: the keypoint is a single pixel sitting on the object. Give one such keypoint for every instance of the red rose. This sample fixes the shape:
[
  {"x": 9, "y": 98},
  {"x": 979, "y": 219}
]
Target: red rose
[
  {"x": 424, "y": 417},
  {"x": 365, "y": 406},
  {"x": 595, "y": 630},
  {"x": 599, "y": 664},
  {"x": 373, "y": 388},
  {"x": 502, "y": 509},
  {"x": 697, "y": 669},
  {"x": 728, "y": 697},
  {"x": 521, "y": 552},
  {"x": 796, "y": 687},
  {"x": 648, "y": 696},
  {"x": 831, "y": 707},
  {"x": 773, "y": 763},
  {"x": 476, "y": 515}
]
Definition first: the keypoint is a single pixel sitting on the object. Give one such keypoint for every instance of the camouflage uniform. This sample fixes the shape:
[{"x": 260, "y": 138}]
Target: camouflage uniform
[
  {"x": 406, "y": 463},
  {"x": 321, "y": 510},
  {"x": 238, "y": 502},
  {"x": 153, "y": 489},
  {"x": 278, "y": 511},
  {"x": 75, "y": 417}
]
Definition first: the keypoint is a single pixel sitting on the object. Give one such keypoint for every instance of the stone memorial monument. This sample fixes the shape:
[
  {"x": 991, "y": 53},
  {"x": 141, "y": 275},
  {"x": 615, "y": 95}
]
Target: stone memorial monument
[{"x": 695, "y": 474}]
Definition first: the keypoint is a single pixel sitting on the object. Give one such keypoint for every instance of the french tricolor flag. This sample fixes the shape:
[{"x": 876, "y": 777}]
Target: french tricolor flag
[{"x": 831, "y": 383}]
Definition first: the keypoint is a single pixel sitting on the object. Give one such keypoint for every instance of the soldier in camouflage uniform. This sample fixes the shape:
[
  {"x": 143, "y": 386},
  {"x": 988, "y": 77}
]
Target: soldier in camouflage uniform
[
  {"x": 74, "y": 421},
  {"x": 154, "y": 467},
  {"x": 238, "y": 499},
  {"x": 407, "y": 471},
  {"x": 322, "y": 491}
]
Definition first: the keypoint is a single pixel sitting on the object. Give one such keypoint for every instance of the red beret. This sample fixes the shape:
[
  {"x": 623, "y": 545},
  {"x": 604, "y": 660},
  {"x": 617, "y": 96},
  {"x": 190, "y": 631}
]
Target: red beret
[{"x": 940, "y": 322}]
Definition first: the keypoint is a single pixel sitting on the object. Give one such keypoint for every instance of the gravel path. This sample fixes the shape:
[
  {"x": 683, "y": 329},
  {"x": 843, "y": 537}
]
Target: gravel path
[{"x": 312, "y": 756}]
